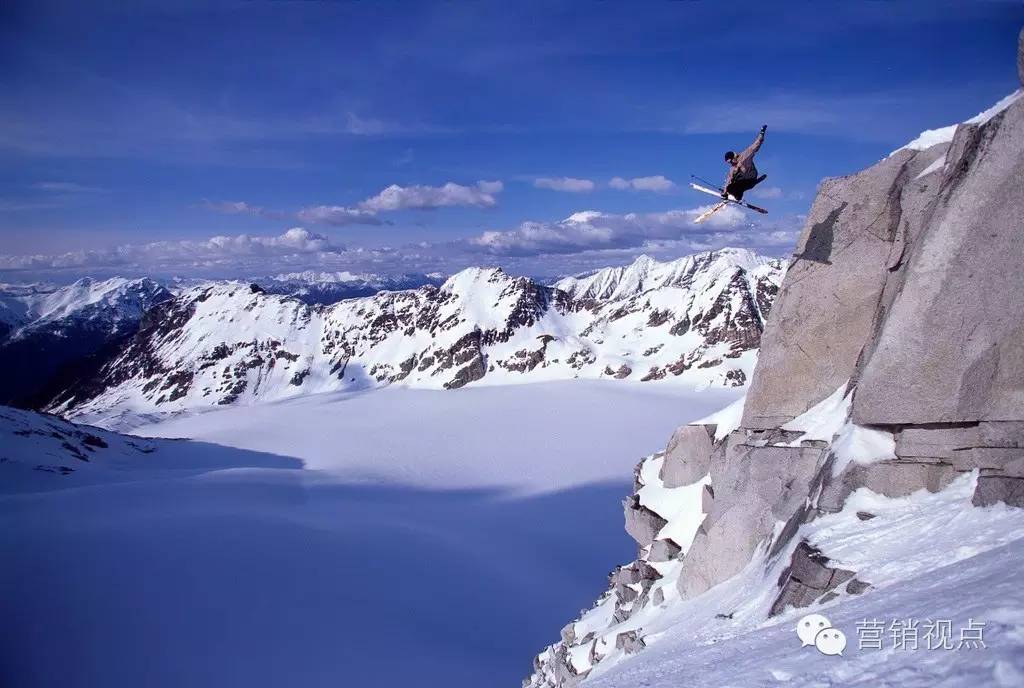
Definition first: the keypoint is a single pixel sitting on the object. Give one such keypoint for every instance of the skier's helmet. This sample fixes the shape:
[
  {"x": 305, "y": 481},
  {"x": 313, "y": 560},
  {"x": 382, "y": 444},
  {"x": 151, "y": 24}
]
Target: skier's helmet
[{"x": 729, "y": 155}]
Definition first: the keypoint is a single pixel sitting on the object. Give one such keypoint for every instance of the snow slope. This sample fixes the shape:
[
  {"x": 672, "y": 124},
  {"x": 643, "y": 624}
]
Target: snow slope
[
  {"x": 394, "y": 538},
  {"x": 929, "y": 557},
  {"x": 696, "y": 321}
]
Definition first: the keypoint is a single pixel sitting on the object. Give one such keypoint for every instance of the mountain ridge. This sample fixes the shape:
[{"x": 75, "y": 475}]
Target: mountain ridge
[{"x": 223, "y": 343}]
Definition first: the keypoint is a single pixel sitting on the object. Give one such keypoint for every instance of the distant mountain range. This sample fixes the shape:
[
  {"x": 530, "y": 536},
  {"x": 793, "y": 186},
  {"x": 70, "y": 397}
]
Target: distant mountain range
[
  {"x": 50, "y": 334},
  {"x": 121, "y": 347}
]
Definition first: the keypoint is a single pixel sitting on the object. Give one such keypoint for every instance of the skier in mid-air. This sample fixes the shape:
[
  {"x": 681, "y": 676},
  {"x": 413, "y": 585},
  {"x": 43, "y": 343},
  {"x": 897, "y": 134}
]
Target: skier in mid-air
[{"x": 742, "y": 175}]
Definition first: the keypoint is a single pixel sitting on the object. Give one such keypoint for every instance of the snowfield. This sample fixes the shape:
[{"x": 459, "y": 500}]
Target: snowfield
[
  {"x": 390, "y": 538},
  {"x": 547, "y": 436}
]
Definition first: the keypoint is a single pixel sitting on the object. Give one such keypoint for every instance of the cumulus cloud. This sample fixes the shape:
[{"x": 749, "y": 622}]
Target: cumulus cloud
[
  {"x": 569, "y": 184},
  {"x": 589, "y": 230},
  {"x": 655, "y": 183},
  {"x": 420, "y": 197},
  {"x": 395, "y": 197}
]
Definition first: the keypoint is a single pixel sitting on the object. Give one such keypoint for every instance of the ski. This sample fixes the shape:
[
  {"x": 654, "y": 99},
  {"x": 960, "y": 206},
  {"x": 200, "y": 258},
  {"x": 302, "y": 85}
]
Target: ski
[
  {"x": 718, "y": 193},
  {"x": 708, "y": 213}
]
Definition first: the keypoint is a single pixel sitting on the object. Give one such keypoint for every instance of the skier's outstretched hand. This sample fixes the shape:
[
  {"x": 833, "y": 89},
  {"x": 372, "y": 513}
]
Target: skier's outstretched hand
[{"x": 764, "y": 127}]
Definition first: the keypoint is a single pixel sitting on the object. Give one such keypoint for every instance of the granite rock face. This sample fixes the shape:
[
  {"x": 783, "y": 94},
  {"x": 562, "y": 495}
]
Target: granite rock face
[
  {"x": 962, "y": 277},
  {"x": 899, "y": 319},
  {"x": 1020, "y": 57},
  {"x": 823, "y": 314},
  {"x": 687, "y": 455}
]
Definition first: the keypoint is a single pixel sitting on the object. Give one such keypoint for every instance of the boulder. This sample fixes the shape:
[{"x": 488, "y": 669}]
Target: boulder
[
  {"x": 642, "y": 524},
  {"x": 755, "y": 488},
  {"x": 897, "y": 478},
  {"x": 687, "y": 455},
  {"x": 663, "y": 550},
  {"x": 629, "y": 642},
  {"x": 993, "y": 489},
  {"x": 808, "y": 578}
]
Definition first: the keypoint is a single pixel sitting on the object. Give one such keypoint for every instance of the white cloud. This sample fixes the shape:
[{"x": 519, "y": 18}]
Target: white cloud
[
  {"x": 655, "y": 183},
  {"x": 221, "y": 249},
  {"x": 569, "y": 184},
  {"x": 337, "y": 215},
  {"x": 395, "y": 197},
  {"x": 419, "y": 197},
  {"x": 589, "y": 230}
]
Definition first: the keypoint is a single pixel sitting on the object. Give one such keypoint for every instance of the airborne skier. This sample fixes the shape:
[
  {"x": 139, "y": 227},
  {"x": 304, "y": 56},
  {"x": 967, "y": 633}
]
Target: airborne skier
[{"x": 742, "y": 175}]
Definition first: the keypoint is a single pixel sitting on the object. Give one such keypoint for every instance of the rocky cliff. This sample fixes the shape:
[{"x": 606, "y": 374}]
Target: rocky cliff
[{"x": 892, "y": 362}]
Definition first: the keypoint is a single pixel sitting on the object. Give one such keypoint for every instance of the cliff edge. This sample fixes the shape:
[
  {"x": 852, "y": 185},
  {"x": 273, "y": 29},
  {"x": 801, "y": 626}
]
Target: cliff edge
[{"x": 892, "y": 364}]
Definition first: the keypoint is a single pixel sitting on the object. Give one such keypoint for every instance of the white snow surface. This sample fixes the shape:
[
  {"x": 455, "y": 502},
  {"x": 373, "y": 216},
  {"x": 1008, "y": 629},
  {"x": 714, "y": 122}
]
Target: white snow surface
[
  {"x": 725, "y": 419},
  {"x": 938, "y": 164},
  {"x": 394, "y": 537},
  {"x": 829, "y": 421},
  {"x": 927, "y": 556},
  {"x": 823, "y": 420},
  {"x": 548, "y": 436},
  {"x": 680, "y": 506}
]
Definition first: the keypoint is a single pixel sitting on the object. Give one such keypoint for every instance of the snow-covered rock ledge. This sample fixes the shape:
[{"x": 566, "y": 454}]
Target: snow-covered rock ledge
[{"x": 886, "y": 408}]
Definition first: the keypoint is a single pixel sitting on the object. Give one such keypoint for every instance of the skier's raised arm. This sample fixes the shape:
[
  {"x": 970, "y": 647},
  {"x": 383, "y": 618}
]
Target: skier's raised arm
[{"x": 755, "y": 146}]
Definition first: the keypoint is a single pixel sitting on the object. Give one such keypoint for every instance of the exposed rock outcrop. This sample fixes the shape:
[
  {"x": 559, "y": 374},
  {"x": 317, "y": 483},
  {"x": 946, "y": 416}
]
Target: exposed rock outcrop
[{"x": 892, "y": 360}]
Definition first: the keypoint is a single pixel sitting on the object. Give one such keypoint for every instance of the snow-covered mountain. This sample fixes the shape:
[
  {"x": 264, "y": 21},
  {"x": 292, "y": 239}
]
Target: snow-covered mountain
[
  {"x": 697, "y": 320},
  {"x": 317, "y": 287},
  {"x": 46, "y": 330}
]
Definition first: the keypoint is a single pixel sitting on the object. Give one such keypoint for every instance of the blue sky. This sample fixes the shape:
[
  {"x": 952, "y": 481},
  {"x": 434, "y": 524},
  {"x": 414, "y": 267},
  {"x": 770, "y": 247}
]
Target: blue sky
[{"x": 131, "y": 134}]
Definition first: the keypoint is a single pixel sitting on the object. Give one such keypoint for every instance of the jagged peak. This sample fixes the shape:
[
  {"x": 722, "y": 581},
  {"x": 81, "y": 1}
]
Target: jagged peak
[
  {"x": 464, "y": 280},
  {"x": 646, "y": 272}
]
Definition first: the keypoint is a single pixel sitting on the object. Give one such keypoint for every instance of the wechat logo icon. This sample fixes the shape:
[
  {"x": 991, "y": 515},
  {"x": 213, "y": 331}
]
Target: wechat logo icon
[{"x": 816, "y": 630}]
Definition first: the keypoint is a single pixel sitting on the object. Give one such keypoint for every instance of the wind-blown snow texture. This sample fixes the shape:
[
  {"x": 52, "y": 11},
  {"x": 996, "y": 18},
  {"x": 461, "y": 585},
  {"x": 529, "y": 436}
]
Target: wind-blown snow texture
[
  {"x": 697, "y": 320},
  {"x": 392, "y": 538}
]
